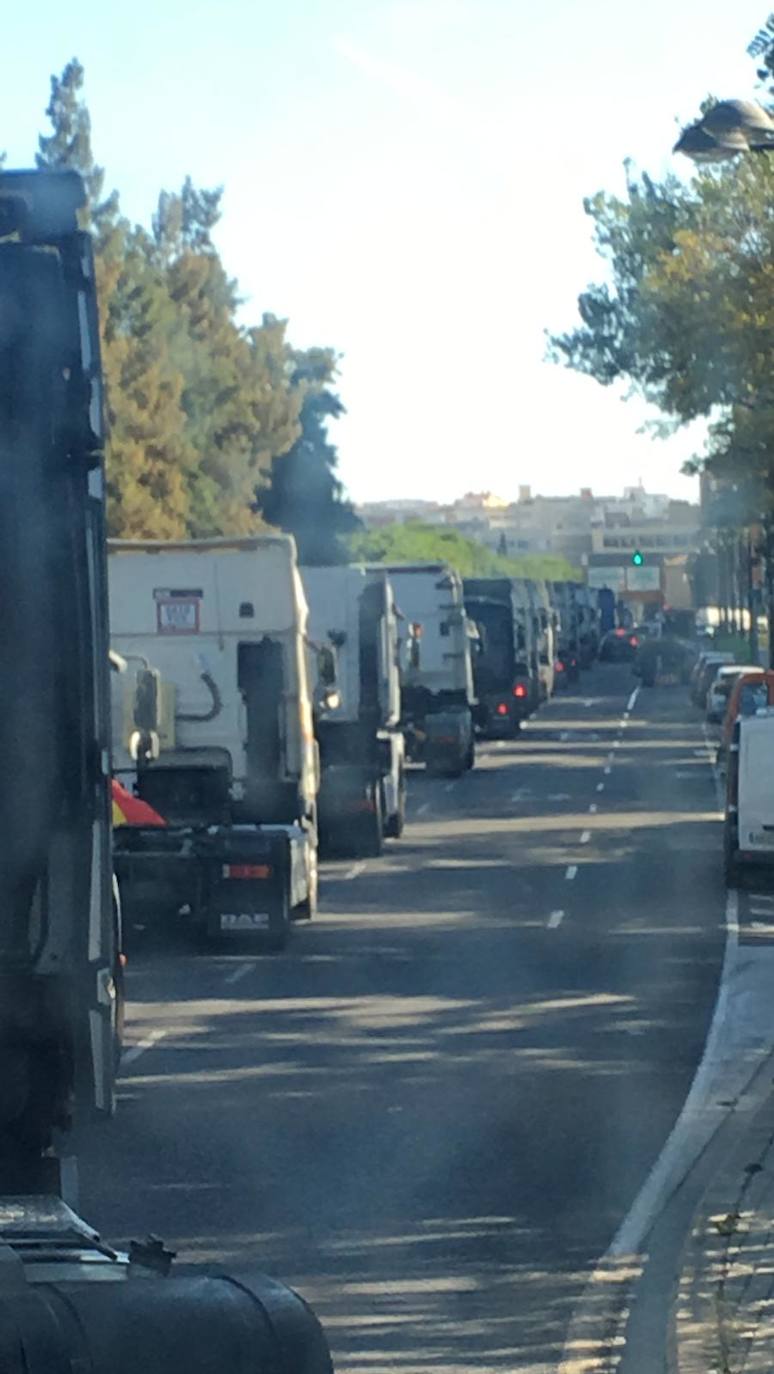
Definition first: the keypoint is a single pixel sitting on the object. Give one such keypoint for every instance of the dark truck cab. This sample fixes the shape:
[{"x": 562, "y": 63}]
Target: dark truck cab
[{"x": 501, "y": 670}]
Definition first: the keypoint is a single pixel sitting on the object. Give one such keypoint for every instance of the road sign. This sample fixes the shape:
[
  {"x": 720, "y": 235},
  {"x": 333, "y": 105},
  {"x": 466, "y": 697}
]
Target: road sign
[
  {"x": 643, "y": 579},
  {"x": 614, "y": 578}
]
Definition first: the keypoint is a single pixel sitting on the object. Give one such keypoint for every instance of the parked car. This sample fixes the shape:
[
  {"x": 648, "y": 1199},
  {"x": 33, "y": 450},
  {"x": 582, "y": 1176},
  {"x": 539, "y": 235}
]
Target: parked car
[
  {"x": 751, "y": 692},
  {"x": 748, "y": 832},
  {"x": 721, "y": 687},
  {"x": 619, "y": 646},
  {"x": 703, "y": 675}
]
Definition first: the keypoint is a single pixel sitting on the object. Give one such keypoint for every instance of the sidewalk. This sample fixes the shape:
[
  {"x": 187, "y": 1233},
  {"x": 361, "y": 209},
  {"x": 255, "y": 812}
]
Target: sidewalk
[{"x": 724, "y": 1319}]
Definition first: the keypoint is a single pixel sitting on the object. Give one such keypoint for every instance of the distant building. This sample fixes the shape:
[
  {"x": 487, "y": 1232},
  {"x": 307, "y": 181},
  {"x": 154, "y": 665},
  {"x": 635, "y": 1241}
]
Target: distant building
[{"x": 594, "y": 532}]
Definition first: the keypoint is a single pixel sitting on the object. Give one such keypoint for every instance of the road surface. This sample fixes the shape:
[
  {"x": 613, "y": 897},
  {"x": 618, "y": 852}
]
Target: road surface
[{"x": 432, "y": 1113}]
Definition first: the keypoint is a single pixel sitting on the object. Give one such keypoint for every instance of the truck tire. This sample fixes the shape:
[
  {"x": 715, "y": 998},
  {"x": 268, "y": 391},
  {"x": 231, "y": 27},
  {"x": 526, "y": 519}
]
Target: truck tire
[
  {"x": 307, "y": 910},
  {"x": 368, "y": 839},
  {"x": 394, "y": 825}
]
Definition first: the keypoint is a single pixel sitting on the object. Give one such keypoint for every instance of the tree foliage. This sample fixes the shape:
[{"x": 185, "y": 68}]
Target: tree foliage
[
  {"x": 304, "y": 495},
  {"x": 201, "y": 409},
  {"x": 686, "y": 314},
  {"x": 414, "y": 542}
]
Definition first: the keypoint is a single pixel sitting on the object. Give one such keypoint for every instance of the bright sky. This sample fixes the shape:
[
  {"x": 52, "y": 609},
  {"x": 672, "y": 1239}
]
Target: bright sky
[{"x": 403, "y": 180}]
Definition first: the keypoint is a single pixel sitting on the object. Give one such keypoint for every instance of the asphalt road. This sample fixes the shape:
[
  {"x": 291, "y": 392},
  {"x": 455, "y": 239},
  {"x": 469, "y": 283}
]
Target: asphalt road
[{"x": 433, "y": 1111}]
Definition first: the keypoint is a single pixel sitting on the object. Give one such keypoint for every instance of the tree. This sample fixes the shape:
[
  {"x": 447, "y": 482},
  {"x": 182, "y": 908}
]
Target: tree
[
  {"x": 69, "y": 143},
  {"x": 304, "y": 495},
  {"x": 687, "y": 316},
  {"x": 200, "y": 409}
]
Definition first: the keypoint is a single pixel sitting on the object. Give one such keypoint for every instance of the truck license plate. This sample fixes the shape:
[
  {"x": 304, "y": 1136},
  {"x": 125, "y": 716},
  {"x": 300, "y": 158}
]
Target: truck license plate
[
  {"x": 762, "y": 839},
  {"x": 254, "y": 920}
]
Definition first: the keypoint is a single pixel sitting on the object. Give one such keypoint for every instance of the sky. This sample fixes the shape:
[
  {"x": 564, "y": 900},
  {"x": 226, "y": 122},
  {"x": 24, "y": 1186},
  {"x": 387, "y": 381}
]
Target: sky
[{"x": 404, "y": 181}]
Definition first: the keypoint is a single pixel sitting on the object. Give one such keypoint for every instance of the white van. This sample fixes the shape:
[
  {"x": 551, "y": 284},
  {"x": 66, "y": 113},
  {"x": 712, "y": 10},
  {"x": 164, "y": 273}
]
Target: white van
[{"x": 749, "y": 821}]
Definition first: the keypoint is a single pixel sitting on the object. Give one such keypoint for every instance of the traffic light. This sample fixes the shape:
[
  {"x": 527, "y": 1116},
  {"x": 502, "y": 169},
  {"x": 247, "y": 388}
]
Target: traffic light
[{"x": 637, "y": 559}]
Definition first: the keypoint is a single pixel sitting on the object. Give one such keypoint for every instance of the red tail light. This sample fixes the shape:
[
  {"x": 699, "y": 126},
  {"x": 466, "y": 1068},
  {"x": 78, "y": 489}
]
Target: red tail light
[
  {"x": 502, "y": 708},
  {"x": 559, "y": 667},
  {"x": 246, "y": 871},
  {"x": 634, "y": 641},
  {"x": 519, "y": 690},
  {"x": 620, "y": 633}
]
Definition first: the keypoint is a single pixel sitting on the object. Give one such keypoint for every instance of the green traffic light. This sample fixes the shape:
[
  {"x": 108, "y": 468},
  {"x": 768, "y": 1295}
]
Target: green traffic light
[{"x": 637, "y": 559}]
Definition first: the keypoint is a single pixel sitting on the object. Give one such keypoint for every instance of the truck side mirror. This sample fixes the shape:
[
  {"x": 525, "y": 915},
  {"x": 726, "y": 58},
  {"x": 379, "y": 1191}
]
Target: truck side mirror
[
  {"x": 147, "y": 701},
  {"x": 326, "y": 667}
]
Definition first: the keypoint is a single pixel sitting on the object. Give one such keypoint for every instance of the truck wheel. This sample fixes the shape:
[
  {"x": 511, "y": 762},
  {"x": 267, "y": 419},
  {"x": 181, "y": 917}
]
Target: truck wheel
[
  {"x": 395, "y": 825},
  {"x": 307, "y": 910},
  {"x": 369, "y": 833}
]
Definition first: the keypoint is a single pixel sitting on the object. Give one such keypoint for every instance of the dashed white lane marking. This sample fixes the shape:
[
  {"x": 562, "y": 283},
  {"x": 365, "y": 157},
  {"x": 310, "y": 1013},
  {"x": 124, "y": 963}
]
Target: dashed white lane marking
[
  {"x": 588, "y": 702},
  {"x": 616, "y": 744},
  {"x": 607, "y": 771},
  {"x": 152, "y": 1038},
  {"x": 555, "y": 919},
  {"x": 632, "y": 699},
  {"x": 355, "y": 870},
  {"x": 571, "y": 873},
  {"x": 559, "y": 796},
  {"x": 600, "y": 787},
  {"x": 564, "y": 735},
  {"x": 593, "y": 809},
  {"x": 423, "y": 808},
  {"x": 238, "y": 973},
  {"x": 585, "y": 837},
  {"x": 449, "y": 787}
]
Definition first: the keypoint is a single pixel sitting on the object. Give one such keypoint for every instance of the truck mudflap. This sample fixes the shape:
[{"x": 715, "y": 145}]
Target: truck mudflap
[{"x": 448, "y": 746}]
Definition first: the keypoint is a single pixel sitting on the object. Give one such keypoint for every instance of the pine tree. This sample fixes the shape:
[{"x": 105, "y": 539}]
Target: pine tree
[{"x": 304, "y": 495}]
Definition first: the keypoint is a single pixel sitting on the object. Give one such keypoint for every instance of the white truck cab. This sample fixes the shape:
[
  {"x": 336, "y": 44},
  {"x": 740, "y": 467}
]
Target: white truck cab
[
  {"x": 437, "y": 694},
  {"x": 234, "y": 770},
  {"x": 353, "y": 656}
]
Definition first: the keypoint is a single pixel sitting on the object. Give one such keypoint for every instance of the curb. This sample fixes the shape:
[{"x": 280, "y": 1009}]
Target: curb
[{"x": 722, "y": 1319}]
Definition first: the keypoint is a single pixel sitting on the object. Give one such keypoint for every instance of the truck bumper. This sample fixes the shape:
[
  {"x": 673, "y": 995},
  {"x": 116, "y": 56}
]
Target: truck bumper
[{"x": 231, "y": 880}]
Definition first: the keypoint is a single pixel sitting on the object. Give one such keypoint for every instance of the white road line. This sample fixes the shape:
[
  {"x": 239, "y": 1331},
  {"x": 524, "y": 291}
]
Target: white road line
[
  {"x": 449, "y": 787},
  {"x": 632, "y": 699},
  {"x": 239, "y": 973},
  {"x": 593, "y": 809},
  {"x": 423, "y": 808},
  {"x": 355, "y": 870},
  {"x": 624, "y": 723},
  {"x": 571, "y": 873},
  {"x": 616, "y": 744},
  {"x": 588, "y": 702},
  {"x": 607, "y": 771},
  {"x": 133, "y": 1054},
  {"x": 585, "y": 837},
  {"x": 564, "y": 735},
  {"x": 555, "y": 919},
  {"x": 600, "y": 787}
]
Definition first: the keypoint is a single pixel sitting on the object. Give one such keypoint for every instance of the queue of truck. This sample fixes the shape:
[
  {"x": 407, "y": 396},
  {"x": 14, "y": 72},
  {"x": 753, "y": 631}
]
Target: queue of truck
[{"x": 266, "y": 713}]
